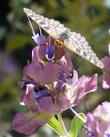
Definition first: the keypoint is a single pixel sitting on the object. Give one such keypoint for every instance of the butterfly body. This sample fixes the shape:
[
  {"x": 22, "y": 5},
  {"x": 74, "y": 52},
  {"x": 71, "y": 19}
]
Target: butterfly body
[{"x": 71, "y": 40}]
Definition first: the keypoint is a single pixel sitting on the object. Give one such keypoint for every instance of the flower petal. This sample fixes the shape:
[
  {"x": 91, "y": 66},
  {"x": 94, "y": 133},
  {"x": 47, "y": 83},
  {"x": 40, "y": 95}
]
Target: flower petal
[
  {"x": 85, "y": 85},
  {"x": 66, "y": 63},
  {"x": 35, "y": 55},
  {"x": 99, "y": 122},
  {"x": 42, "y": 74},
  {"x": 50, "y": 52},
  {"x": 26, "y": 123},
  {"x": 46, "y": 106},
  {"x": 27, "y": 98},
  {"x": 39, "y": 39},
  {"x": 106, "y": 62},
  {"x": 91, "y": 83}
]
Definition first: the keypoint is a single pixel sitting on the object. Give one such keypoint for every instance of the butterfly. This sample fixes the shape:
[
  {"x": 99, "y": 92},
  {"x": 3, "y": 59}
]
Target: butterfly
[{"x": 71, "y": 40}]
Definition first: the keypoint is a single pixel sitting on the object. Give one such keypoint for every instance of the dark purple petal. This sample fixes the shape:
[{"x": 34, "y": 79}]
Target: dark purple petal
[
  {"x": 39, "y": 39},
  {"x": 40, "y": 93},
  {"x": 50, "y": 52},
  {"x": 26, "y": 123},
  {"x": 62, "y": 77}
]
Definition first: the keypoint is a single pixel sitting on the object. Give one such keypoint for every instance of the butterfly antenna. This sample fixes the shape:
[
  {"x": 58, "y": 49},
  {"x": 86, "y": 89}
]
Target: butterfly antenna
[
  {"x": 40, "y": 30},
  {"x": 49, "y": 40},
  {"x": 33, "y": 32}
]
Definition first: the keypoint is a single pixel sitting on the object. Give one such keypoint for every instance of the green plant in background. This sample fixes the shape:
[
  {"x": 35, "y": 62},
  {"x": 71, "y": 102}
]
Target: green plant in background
[{"x": 90, "y": 18}]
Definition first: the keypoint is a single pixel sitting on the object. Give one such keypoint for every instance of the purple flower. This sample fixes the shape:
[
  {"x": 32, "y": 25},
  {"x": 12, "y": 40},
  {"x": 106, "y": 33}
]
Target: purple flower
[
  {"x": 50, "y": 87},
  {"x": 40, "y": 68},
  {"x": 44, "y": 103},
  {"x": 98, "y": 123},
  {"x": 8, "y": 66}
]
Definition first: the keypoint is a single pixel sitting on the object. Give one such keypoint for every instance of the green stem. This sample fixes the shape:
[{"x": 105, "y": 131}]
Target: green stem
[{"x": 62, "y": 125}]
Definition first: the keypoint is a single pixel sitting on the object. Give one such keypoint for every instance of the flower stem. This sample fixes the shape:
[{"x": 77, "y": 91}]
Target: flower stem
[
  {"x": 83, "y": 120},
  {"x": 62, "y": 125}
]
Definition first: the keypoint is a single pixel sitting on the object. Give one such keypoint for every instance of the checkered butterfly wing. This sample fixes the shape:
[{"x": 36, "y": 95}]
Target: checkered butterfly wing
[{"x": 72, "y": 40}]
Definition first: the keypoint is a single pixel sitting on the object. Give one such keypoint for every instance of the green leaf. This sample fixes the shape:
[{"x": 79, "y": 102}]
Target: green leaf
[
  {"x": 55, "y": 125},
  {"x": 76, "y": 125}
]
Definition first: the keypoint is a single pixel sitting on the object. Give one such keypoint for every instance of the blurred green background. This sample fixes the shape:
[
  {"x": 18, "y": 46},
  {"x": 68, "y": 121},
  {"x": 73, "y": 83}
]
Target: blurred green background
[{"x": 89, "y": 17}]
